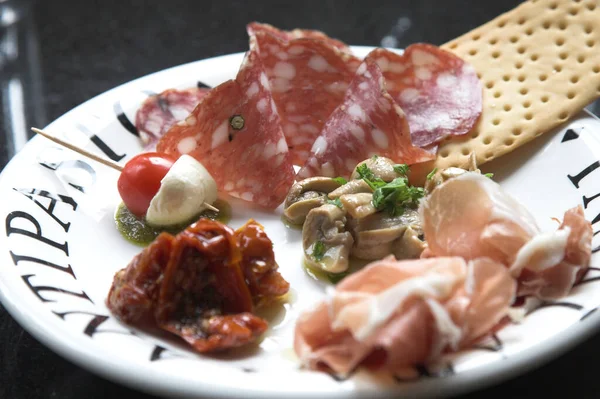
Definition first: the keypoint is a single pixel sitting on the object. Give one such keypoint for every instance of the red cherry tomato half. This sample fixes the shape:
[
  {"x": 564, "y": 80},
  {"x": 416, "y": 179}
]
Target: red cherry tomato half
[{"x": 140, "y": 180}]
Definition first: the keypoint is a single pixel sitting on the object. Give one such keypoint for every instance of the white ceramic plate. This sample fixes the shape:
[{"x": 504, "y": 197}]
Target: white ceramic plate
[{"x": 60, "y": 250}]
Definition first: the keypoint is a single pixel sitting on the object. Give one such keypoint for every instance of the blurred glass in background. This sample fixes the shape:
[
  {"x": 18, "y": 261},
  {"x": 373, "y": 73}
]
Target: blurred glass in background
[{"x": 20, "y": 77}]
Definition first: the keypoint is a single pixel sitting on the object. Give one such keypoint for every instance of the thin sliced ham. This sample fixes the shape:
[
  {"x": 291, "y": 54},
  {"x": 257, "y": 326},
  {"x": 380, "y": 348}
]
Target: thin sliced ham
[
  {"x": 397, "y": 314},
  {"x": 472, "y": 217},
  {"x": 367, "y": 123}
]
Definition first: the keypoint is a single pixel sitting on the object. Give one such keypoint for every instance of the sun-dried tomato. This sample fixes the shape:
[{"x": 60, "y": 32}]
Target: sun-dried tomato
[{"x": 202, "y": 284}]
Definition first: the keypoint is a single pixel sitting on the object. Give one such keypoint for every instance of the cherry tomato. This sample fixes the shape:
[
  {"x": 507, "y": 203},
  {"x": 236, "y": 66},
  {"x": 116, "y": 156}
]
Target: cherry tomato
[{"x": 140, "y": 180}]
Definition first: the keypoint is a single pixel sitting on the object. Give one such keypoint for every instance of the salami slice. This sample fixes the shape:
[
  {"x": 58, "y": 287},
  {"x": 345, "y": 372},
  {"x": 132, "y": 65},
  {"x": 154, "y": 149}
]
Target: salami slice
[
  {"x": 256, "y": 27},
  {"x": 161, "y": 111},
  {"x": 368, "y": 123},
  {"x": 440, "y": 93},
  {"x": 235, "y": 132},
  {"x": 309, "y": 79}
]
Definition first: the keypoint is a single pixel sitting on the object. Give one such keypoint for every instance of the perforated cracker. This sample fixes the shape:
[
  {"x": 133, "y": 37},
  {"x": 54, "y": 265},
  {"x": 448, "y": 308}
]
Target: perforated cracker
[{"x": 539, "y": 65}]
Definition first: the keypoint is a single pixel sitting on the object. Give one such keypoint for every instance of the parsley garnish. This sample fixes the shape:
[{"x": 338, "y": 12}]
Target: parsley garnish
[
  {"x": 374, "y": 157},
  {"x": 367, "y": 175},
  {"x": 430, "y": 174},
  {"x": 395, "y": 196},
  {"x": 340, "y": 180},
  {"x": 490, "y": 175},
  {"x": 337, "y": 202},
  {"x": 318, "y": 251},
  {"x": 401, "y": 169}
]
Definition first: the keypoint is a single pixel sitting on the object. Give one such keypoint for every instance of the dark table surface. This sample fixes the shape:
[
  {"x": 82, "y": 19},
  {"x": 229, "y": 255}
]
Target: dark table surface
[{"x": 78, "y": 49}]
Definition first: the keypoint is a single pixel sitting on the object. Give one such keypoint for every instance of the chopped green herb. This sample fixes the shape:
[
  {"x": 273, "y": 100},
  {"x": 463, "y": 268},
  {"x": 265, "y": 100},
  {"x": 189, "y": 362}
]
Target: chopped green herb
[
  {"x": 336, "y": 277},
  {"x": 430, "y": 174},
  {"x": 374, "y": 157},
  {"x": 340, "y": 180},
  {"x": 396, "y": 196},
  {"x": 318, "y": 251},
  {"x": 367, "y": 175},
  {"x": 337, "y": 202},
  {"x": 490, "y": 175},
  {"x": 401, "y": 169}
]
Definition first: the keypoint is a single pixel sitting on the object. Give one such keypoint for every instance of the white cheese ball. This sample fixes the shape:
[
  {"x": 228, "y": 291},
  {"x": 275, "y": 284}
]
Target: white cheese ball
[{"x": 182, "y": 193}]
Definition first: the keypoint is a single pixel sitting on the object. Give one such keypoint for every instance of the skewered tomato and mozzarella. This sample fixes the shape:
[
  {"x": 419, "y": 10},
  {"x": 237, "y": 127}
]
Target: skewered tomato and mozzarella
[{"x": 165, "y": 190}]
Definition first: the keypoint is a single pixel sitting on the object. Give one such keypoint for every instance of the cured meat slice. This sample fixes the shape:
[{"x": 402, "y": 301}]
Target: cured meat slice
[
  {"x": 393, "y": 315},
  {"x": 161, "y": 111},
  {"x": 472, "y": 217},
  {"x": 194, "y": 285},
  {"x": 256, "y": 27},
  {"x": 439, "y": 92},
  {"x": 367, "y": 123},
  {"x": 308, "y": 79},
  {"x": 235, "y": 132}
]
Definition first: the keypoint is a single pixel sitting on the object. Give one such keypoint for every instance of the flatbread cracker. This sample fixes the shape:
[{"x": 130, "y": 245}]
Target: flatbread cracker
[{"x": 539, "y": 65}]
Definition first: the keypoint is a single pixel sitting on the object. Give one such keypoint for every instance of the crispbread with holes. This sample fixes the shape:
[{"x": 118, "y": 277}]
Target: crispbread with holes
[{"x": 539, "y": 65}]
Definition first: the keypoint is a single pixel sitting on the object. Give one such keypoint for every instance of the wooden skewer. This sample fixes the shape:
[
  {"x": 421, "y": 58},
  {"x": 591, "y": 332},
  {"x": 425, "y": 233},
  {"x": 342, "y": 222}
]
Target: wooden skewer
[{"x": 95, "y": 157}]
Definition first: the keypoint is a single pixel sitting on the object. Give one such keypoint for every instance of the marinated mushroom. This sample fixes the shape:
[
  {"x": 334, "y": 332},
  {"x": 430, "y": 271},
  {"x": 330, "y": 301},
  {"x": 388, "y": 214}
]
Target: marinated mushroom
[
  {"x": 325, "y": 240},
  {"x": 352, "y": 187},
  {"x": 358, "y": 205},
  {"x": 381, "y": 167},
  {"x": 379, "y": 235},
  {"x": 437, "y": 177},
  {"x": 369, "y": 217},
  {"x": 305, "y": 195},
  {"x": 410, "y": 245}
]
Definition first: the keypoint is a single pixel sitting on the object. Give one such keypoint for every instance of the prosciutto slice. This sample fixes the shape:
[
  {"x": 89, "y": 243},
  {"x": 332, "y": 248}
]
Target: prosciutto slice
[
  {"x": 393, "y": 315},
  {"x": 472, "y": 217}
]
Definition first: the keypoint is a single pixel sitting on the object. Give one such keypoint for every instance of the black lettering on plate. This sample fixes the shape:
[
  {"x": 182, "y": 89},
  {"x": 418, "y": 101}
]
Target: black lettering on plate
[
  {"x": 23, "y": 258},
  {"x": 124, "y": 120},
  {"x": 158, "y": 353},
  {"x": 495, "y": 346},
  {"x": 53, "y": 200},
  {"x": 586, "y": 200},
  {"x": 101, "y": 144},
  {"x": 570, "y": 134},
  {"x": 587, "y": 314},
  {"x": 97, "y": 320},
  {"x": 106, "y": 149},
  {"x": 41, "y": 288},
  {"x": 578, "y": 177},
  {"x": 202, "y": 85},
  {"x": 38, "y": 230}
]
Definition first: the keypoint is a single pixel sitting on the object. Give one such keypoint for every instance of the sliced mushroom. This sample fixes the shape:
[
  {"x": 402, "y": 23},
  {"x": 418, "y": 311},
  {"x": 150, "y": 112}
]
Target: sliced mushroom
[
  {"x": 381, "y": 167},
  {"x": 375, "y": 236},
  {"x": 305, "y": 195},
  {"x": 358, "y": 205},
  {"x": 409, "y": 246},
  {"x": 325, "y": 240},
  {"x": 352, "y": 187},
  {"x": 441, "y": 176}
]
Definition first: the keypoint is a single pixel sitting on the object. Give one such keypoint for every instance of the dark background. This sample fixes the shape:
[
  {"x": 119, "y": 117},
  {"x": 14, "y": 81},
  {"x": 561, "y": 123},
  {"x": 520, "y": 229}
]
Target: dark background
[{"x": 75, "y": 50}]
